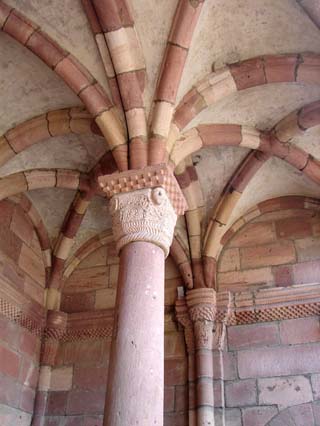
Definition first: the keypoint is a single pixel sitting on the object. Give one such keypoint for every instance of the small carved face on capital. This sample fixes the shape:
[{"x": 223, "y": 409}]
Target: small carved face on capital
[{"x": 158, "y": 196}]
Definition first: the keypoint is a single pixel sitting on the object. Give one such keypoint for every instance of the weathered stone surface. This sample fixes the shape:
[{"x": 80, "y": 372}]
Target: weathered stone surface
[
  {"x": 284, "y": 391},
  {"x": 279, "y": 361}
]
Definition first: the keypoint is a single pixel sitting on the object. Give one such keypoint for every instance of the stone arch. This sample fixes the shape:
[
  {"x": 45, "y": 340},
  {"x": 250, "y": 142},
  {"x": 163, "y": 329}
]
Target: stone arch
[
  {"x": 74, "y": 74},
  {"x": 272, "y": 206}
]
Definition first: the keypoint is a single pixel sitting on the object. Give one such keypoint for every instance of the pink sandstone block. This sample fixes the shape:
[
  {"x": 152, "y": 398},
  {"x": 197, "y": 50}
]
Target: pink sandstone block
[
  {"x": 90, "y": 378},
  {"x": 30, "y": 344},
  {"x": 284, "y": 391},
  {"x": 306, "y": 272},
  {"x": 29, "y": 373},
  {"x": 270, "y": 254},
  {"x": 57, "y": 403},
  {"x": 175, "y": 419},
  {"x": 169, "y": 396},
  {"x": 181, "y": 398},
  {"x": 74, "y": 421},
  {"x": 293, "y": 228},
  {"x": 94, "y": 402},
  {"x": 229, "y": 366},
  {"x": 175, "y": 372},
  {"x": 246, "y": 336},
  {"x": 254, "y": 233},
  {"x": 279, "y": 361},
  {"x": 302, "y": 330},
  {"x": 241, "y": 393},
  {"x": 27, "y": 399},
  {"x": 302, "y": 414},
  {"x": 315, "y": 383},
  {"x": 9, "y": 391},
  {"x": 93, "y": 421},
  {"x": 9, "y": 362},
  {"x": 258, "y": 416},
  {"x": 284, "y": 418},
  {"x": 316, "y": 413}
]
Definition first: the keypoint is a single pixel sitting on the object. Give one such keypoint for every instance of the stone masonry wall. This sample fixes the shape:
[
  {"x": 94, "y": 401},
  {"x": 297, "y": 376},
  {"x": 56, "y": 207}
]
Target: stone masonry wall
[
  {"x": 276, "y": 249},
  {"x": 22, "y": 280},
  {"x": 73, "y": 393},
  {"x": 271, "y": 374},
  {"x": 19, "y": 368},
  {"x": 92, "y": 285}
]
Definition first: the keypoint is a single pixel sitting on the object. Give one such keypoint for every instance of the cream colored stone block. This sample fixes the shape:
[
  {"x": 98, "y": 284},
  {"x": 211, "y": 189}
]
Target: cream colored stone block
[
  {"x": 250, "y": 137},
  {"x": 105, "y": 55},
  {"x": 252, "y": 214},
  {"x": 194, "y": 196},
  {"x": 171, "y": 270},
  {"x": 58, "y": 122},
  {"x": 112, "y": 128},
  {"x": 63, "y": 248},
  {"x": 222, "y": 85},
  {"x": 288, "y": 128},
  {"x": 162, "y": 115},
  {"x": 195, "y": 246},
  {"x": 44, "y": 378},
  {"x": 113, "y": 275},
  {"x": 125, "y": 50},
  {"x": 46, "y": 256},
  {"x": 81, "y": 205},
  {"x": 80, "y": 126},
  {"x": 213, "y": 246},
  {"x": 193, "y": 222},
  {"x": 189, "y": 143},
  {"x": 229, "y": 203},
  {"x": 105, "y": 299},
  {"x": 71, "y": 267},
  {"x": 180, "y": 168},
  {"x": 6, "y": 152},
  {"x": 136, "y": 121},
  {"x": 237, "y": 225},
  {"x": 174, "y": 134},
  {"x": 61, "y": 379},
  {"x": 68, "y": 179},
  {"x": 40, "y": 179},
  {"x": 53, "y": 298},
  {"x": 11, "y": 185}
]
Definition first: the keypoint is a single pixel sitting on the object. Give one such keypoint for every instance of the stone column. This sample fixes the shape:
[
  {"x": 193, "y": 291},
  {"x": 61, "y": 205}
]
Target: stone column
[
  {"x": 144, "y": 207},
  {"x": 183, "y": 317},
  {"x": 202, "y": 311}
]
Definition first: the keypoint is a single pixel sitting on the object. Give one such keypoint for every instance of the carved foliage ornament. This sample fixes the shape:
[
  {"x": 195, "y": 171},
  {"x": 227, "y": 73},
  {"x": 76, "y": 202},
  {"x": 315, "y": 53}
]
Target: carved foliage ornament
[{"x": 143, "y": 215}]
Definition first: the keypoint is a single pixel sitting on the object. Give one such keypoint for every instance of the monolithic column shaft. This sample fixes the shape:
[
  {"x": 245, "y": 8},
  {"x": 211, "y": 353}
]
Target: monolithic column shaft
[
  {"x": 144, "y": 206},
  {"x": 135, "y": 380}
]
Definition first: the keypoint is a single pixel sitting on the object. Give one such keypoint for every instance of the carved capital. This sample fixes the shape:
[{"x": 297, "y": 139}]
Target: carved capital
[
  {"x": 143, "y": 215},
  {"x": 144, "y": 205},
  {"x": 183, "y": 318},
  {"x": 202, "y": 304},
  {"x": 202, "y": 311}
]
